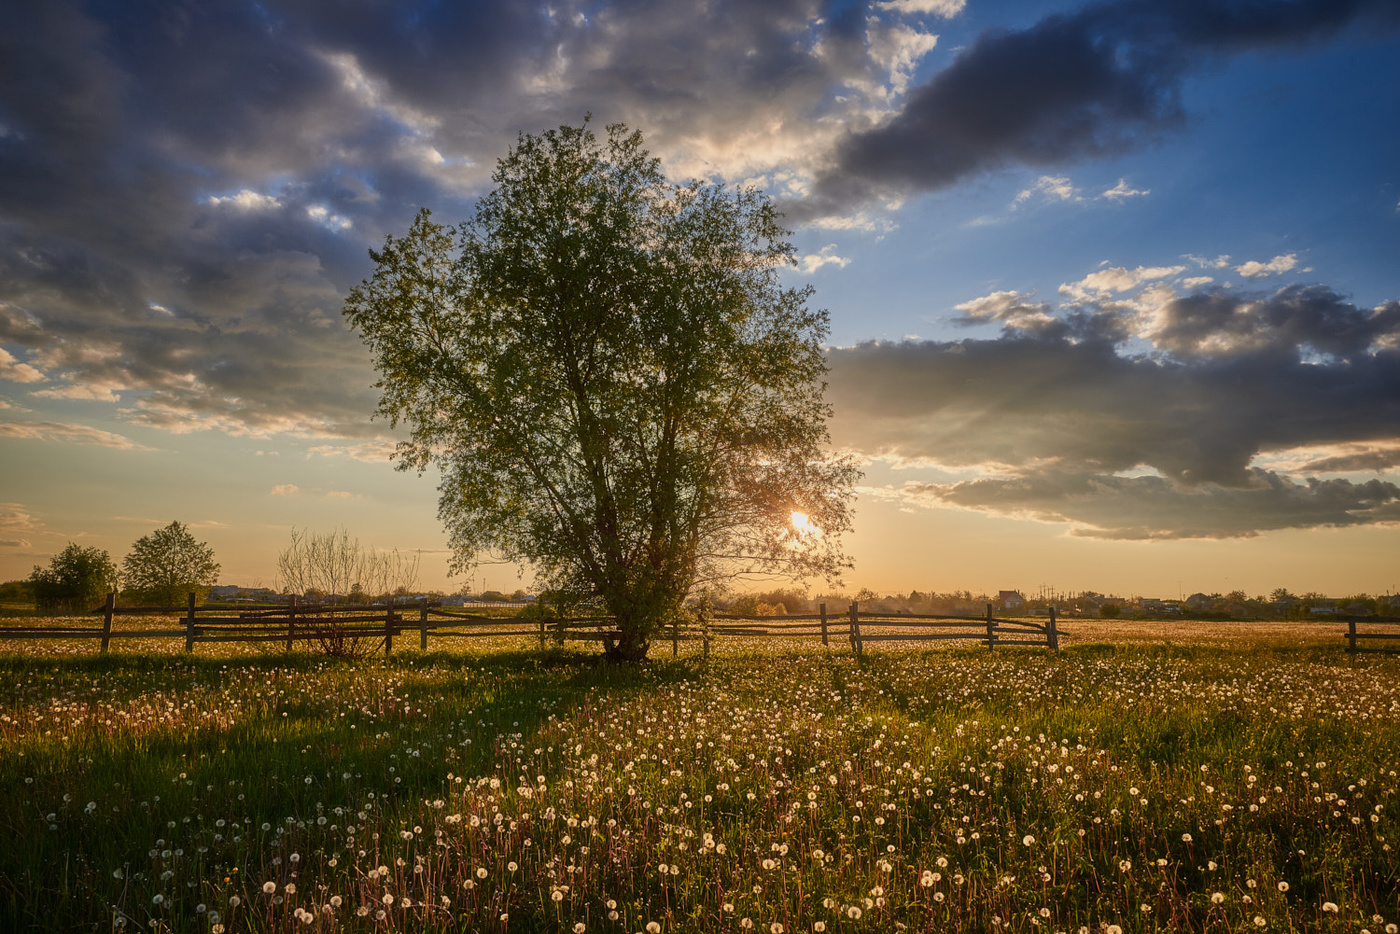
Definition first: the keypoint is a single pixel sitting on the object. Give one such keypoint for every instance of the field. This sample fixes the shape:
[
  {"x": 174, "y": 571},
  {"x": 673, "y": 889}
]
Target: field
[{"x": 1194, "y": 779}]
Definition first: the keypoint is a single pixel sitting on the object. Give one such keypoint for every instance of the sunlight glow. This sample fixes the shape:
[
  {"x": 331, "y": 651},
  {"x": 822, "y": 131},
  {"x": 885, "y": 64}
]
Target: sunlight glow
[{"x": 802, "y": 523}]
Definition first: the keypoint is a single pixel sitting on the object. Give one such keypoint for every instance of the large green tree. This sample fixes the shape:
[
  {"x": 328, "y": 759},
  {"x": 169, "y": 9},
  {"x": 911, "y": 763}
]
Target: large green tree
[
  {"x": 76, "y": 580},
  {"x": 615, "y": 384},
  {"x": 164, "y": 567}
]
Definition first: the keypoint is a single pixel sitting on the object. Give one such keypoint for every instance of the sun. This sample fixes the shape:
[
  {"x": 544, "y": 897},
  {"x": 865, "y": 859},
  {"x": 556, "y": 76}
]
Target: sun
[{"x": 802, "y": 523}]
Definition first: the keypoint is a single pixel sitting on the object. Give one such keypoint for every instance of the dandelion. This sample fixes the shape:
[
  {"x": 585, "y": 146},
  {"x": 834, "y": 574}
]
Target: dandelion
[
  {"x": 926, "y": 880},
  {"x": 854, "y": 914},
  {"x": 653, "y": 928},
  {"x": 1027, "y": 840},
  {"x": 1217, "y": 897},
  {"x": 1259, "y": 921},
  {"x": 388, "y": 899},
  {"x": 1329, "y": 907},
  {"x": 580, "y": 928},
  {"x": 775, "y": 928},
  {"x": 269, "y": 888},
  {"x": 1283, "y": 886}
]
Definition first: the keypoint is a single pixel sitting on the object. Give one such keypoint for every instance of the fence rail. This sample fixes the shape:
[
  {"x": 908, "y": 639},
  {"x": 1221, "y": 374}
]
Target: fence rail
[
  {"x": 1352, "y": 635},
  {"x": 297, "y": 622}
]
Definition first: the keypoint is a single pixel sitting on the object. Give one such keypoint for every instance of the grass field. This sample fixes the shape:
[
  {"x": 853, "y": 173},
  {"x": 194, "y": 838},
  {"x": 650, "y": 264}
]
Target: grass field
[{"x": 1206, "y": 783}]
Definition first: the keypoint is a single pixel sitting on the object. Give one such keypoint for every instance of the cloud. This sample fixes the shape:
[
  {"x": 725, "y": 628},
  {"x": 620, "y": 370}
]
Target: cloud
[
  {"x": 1254, "y": 269},
  {"x": 286, "y": 489},
  {"x": 1049, "y": 188},
  {"x": 61, "y": 433},
  {"x": 1117, "y": 279},
  {"x": 247, "y": 200},
  {"x": 15, "y": 372},
  {"x": 826, "y": 256},
  {"x": 1101, "y": 81},
  {"x": 1122, "y": 191},
  {"x": 187, "y": 195},
  {"x": 1149, "y": 415}
]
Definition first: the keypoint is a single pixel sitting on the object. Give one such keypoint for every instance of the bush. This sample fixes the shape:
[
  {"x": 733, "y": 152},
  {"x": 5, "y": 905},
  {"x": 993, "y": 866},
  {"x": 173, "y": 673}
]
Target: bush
[{"x": 76, "y": 580}]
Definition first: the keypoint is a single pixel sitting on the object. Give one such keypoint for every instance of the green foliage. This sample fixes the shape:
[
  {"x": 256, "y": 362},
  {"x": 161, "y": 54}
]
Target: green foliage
[
  {"x": 610, "y": 377},
  {"x": 17, "y": 592},
  {"x": 76, "y": 580},
  {"x": 164, "y": 567},
  {"x": 1110, "y": 611}
]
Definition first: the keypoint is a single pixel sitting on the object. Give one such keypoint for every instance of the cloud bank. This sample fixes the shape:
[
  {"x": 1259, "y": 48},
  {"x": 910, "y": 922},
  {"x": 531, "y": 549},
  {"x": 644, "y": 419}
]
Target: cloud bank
[{"x": 1135, "y": 411}]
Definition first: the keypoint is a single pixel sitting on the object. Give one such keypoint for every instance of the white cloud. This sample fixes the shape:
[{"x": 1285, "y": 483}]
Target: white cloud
[
  {"x": 826, "y": 256},
  {"x": 1122, "y": 191},
  {"x": 1255, "y": 269},
  {"x": 1117, "y": 279},
  {"x": 1195, "y": 282},
  {"x": 323, "y": 216},
  {"x": 944, "y": 8},
  {"x": 342, "y": 494},
  {"x": 68, "y": 434},
  {"x": 15, "y": 372},
  {"x": 247, "y": 200},
  {"x": 898, "y": 50},
  {"x": 1220, "y": 262},
  {"x": 1051, "y": 188},
  {"x": 286, "y": 489}
]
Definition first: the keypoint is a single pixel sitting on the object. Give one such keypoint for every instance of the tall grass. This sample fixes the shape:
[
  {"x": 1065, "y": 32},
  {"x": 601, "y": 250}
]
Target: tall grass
[{"x": 1135, "y": 789}]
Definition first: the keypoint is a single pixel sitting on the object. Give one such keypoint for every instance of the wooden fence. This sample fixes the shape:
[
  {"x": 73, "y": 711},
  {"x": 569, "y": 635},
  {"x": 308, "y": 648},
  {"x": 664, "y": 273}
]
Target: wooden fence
[
  {"x": 1352, "y": 635},
  {"x": 348, "y": 625}
]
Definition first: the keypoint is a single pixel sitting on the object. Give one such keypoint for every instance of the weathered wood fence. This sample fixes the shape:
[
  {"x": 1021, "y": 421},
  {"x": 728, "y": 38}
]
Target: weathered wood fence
[
  {"x": 1352, "y": 635},
  {"x": 310, "y": 623}
]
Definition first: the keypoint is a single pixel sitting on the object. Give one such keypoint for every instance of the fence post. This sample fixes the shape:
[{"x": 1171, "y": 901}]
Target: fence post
[
  {"x": 189, "y": 626},
  {"x": 423, "y": 626},
  {"x": 1351, "y": 635},
  {"x": 107, "y": 618},
  {"x": 1053, "y": 633},
  {"x": 991, "y": 629},
  {"x": 292, "y": 623},
  {"x": 824, "y": 640},
  {"x": 675, "y": 636},
  {"x": 389, "y": 627},
  {"x": 855, "y": 628}
]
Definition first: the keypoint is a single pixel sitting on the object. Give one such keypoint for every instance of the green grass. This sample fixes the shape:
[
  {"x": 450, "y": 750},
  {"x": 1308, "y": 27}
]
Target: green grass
[{"x": 1151, "y": 788}]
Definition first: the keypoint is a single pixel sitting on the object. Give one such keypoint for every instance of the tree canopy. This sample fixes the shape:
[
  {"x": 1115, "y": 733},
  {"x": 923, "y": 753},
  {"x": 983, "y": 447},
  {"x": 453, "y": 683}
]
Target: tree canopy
[
  {"x": 76, "y": 580},
  {"x": 613, "y": 381},
  {"x": 166, "y": 566}
]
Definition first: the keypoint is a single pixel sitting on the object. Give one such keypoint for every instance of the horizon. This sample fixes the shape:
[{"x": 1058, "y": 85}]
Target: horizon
[{"x": 1113, "y": 290}]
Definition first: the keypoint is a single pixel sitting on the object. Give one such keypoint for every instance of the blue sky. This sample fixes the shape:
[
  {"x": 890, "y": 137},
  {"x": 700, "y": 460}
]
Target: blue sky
[{"x": 1113, "y": 287}]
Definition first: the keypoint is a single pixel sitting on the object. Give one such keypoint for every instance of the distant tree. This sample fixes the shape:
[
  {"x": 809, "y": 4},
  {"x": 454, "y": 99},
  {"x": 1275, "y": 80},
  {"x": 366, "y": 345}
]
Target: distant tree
[
  {"x": 334, "y": 564},
  {"x": 1281, "y": 594},
  {"x": 76, "y": 580},
  {"x": 612, "y": 379},
  {"x": 1110, "y": 611},
  {"x": 164, "y": 567},
  {"x": 17, "y": 592}
]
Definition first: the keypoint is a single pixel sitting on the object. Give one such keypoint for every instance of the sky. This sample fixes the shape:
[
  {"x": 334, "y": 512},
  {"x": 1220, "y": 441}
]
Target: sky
[{"x": 1114, "y": 287}]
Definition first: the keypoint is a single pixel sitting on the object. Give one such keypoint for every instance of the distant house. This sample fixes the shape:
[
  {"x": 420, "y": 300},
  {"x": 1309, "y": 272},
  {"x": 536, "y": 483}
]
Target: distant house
[
  {"x": 1011, "y": 599},
  {"x": 1199, "y": 603}
]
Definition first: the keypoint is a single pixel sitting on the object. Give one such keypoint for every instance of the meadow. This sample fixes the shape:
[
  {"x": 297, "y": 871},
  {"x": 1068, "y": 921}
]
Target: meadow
[{"x": 1212, "y": 784}]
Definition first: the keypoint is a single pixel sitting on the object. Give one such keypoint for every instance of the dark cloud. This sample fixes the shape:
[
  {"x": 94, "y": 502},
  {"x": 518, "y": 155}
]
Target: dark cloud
[
  {"x": 1074, "y": 418},
  {"x": 188, "y": 189},
  {"x": 1097, "y": 82}
]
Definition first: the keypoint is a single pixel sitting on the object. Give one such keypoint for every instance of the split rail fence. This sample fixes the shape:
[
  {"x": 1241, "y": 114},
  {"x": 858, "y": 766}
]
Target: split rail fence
[
  {"x": 1353, "y": 634},
  {"x": 308, "y": 623}
]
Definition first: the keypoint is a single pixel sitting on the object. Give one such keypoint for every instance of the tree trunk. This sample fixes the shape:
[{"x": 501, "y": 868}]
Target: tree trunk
[{"x": 631, "y": 648}]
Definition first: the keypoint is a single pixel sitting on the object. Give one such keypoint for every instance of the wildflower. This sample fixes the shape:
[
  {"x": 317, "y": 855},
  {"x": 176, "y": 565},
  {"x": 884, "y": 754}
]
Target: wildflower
[
  {"x": 926, "y": 880},
  {"x": 1329, "y": 907},
  {"x": 819, "y": 927},
  {"x": 269, "y": 888},
  {"x": 775, "y": 928},
  {"x": 1283, "y": 886},
  {"x": 1186, "y": 838},
  {"x": 1027, "y": 840},
  {"x": 653, "y": 928},
  {"x": 1217, "y": 897},
  {"x": 1259, "y": 921},
  {"x": 580, "y": 928},
  {"x": 388, "y": 899}
]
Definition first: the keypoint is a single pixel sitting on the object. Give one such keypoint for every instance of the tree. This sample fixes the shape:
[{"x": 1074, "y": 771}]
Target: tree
[
  {"x": 76, "y": 580},
  {"x": 167, "y": 565},
  {"x": 334, "y": 564},
  {"x": 611, "y": 379}
]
